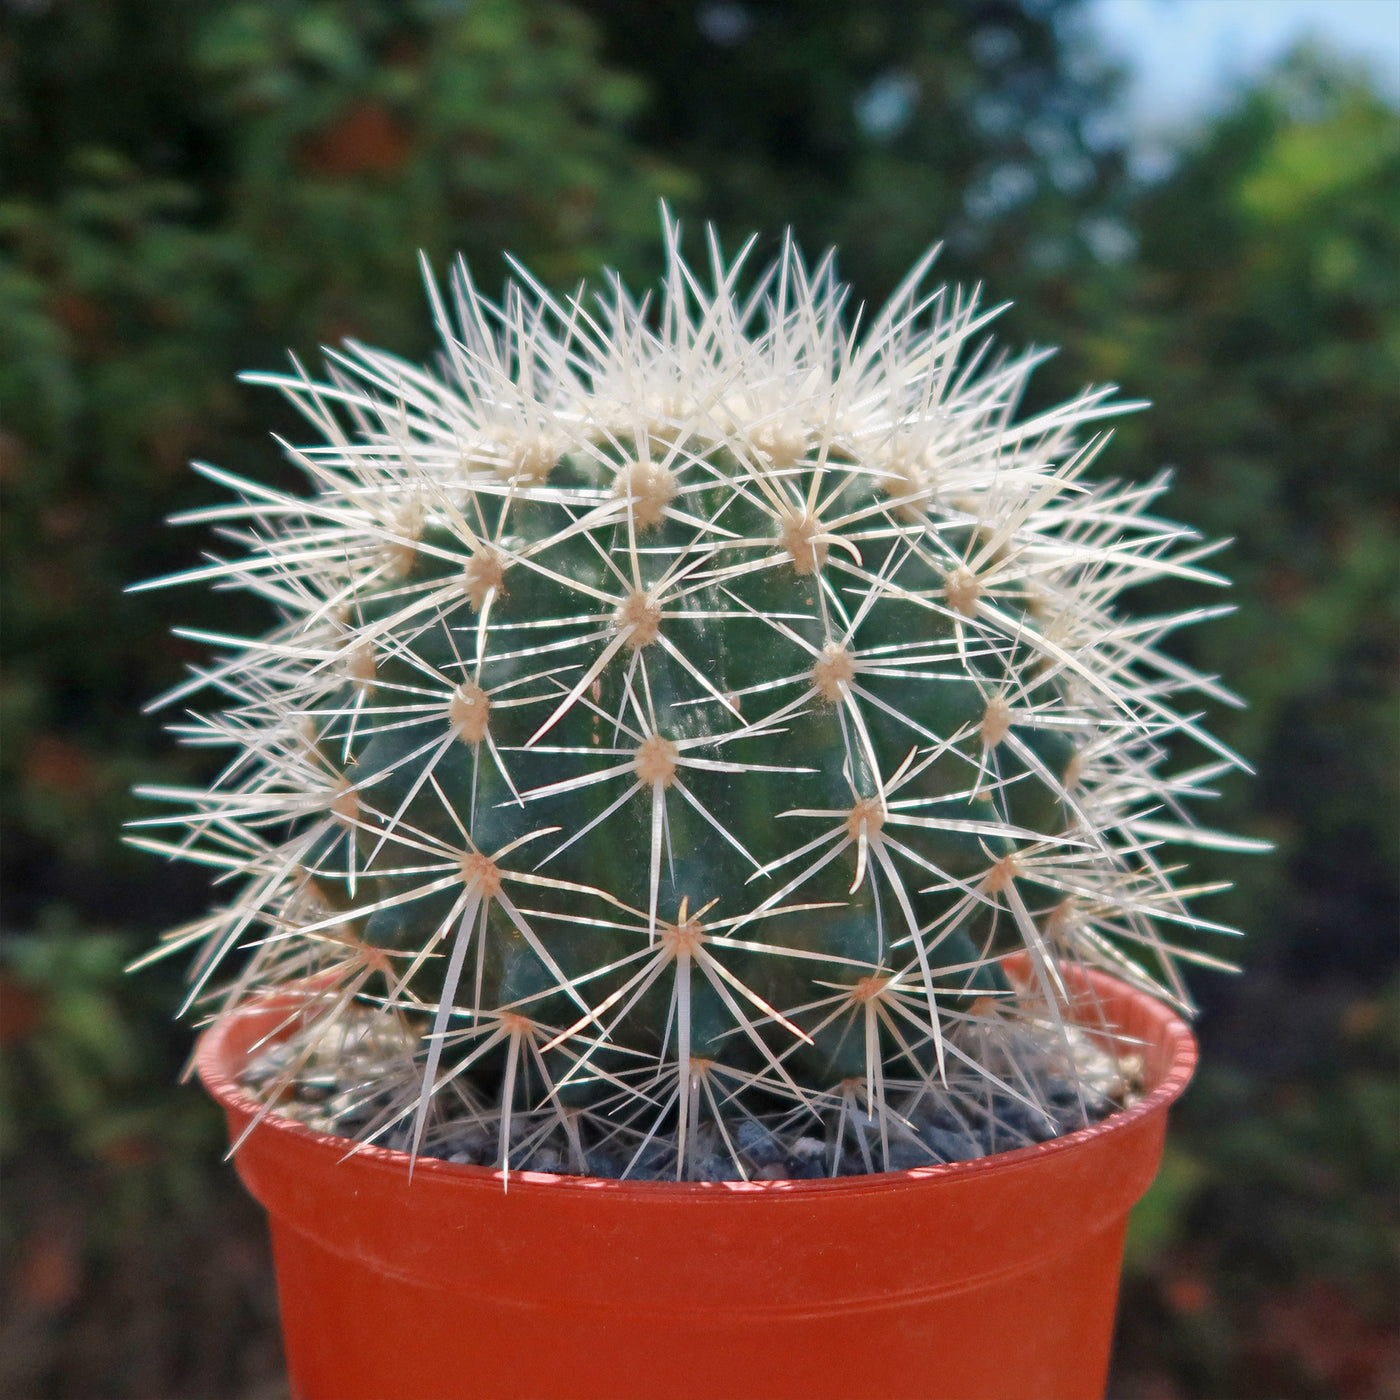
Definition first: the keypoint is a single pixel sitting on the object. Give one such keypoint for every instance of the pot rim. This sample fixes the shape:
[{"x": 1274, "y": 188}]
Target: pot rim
[{"x": 1167, "y": 1029}]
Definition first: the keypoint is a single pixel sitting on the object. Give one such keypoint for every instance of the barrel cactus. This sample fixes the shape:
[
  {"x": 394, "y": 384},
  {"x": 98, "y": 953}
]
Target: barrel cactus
[{"x": 678, "y": 711}]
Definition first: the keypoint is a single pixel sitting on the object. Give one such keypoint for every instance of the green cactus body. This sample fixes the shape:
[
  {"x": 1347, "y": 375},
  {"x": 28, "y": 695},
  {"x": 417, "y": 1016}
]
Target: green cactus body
[{"x": 678, "y": 720}]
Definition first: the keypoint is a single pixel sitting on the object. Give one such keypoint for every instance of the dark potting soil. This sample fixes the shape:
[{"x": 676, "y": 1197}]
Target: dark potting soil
[{"x": 364, "y": 1087}]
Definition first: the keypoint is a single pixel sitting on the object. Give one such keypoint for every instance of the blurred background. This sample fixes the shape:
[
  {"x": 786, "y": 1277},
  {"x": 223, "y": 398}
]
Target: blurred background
[{"x": 1197, "y": 199}]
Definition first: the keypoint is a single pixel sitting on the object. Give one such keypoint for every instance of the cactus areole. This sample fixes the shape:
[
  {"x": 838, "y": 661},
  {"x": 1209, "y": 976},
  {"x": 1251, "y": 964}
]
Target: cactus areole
[{"x": 701, "y": 746}]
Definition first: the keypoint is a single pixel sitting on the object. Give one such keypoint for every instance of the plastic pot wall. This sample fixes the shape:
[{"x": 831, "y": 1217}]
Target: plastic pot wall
[{"x": 993, "y": 1278}]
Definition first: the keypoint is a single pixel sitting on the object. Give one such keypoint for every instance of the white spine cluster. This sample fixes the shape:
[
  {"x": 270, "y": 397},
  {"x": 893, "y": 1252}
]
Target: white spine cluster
[{"x": 754, "y": 533}]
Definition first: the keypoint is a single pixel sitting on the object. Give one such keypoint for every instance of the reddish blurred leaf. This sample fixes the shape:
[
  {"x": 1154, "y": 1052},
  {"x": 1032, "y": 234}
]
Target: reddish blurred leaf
[
  {"x": 82, "y": 317},
  {"x": 49, "y": 1272},
  {"x": 62, "y": 767},
  {"x": 20, "y": 1009},
  {"x": 64, "y": 520},
  {"x": 11, "y": 458},
  {"x": 129, "y": 1151},
  {"x": 1328, "y": 1335},
  {"x": 1187, "y": 1294},
  {"x": 365, "y": 139}
]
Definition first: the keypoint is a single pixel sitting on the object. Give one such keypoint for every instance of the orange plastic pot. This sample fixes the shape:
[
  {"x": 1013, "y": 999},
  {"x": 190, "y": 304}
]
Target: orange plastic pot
[{"x": 992, "y": 1278}]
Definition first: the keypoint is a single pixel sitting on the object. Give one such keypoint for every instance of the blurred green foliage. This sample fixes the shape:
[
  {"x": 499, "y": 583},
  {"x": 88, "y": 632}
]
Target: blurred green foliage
[
  {"x": 190, "y": 189},
  {"x": 1262, "y": 317},
  {"x": 882, "y": 127},
  {"x": 1265, "y": 1258},
  {"x": 193, "y": 189},
  {"x": 87, "y": 1064}
]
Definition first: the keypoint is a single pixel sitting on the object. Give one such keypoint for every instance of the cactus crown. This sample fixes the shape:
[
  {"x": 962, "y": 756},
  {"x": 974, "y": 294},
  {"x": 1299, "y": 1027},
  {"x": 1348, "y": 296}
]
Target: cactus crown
[{"x": 677, "y": 713}]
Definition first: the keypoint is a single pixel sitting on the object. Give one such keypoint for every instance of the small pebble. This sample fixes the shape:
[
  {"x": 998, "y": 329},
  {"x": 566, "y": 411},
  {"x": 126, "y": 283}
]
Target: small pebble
[
  {"x": 758, "y": 1142},
  {"x": 716, "y": 1168},
  {"x": 953, "y": 1147},
  {"x": 1013, "y": 1123},
  {"x": 805, "y": 1168},
  {"x": 905, "y": 1154},
  {"x": 604, "y": 1163},
  {"x": 941, "y": 1118}
]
